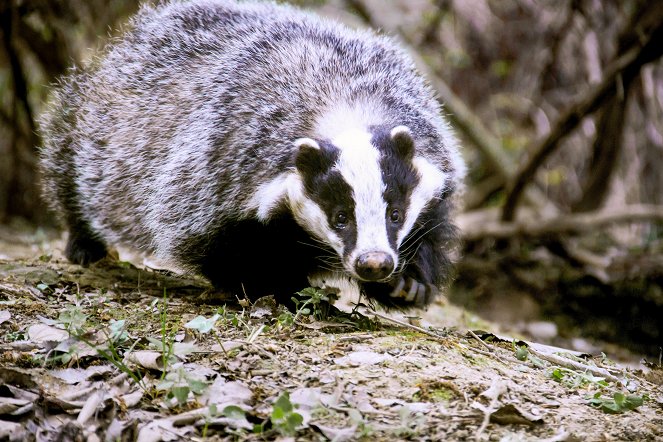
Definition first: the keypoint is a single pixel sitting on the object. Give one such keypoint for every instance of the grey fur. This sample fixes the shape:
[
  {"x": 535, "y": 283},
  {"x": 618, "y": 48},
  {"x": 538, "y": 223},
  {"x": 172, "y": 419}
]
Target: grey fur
[{"x": 171, "y": 130}]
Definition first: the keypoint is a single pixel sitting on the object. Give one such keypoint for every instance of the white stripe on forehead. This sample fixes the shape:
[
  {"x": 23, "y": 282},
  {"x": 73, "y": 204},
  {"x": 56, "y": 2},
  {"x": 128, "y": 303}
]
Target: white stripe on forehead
[
  {"x": 340, "y": 117},
  {"x": 359, "y": 164}
]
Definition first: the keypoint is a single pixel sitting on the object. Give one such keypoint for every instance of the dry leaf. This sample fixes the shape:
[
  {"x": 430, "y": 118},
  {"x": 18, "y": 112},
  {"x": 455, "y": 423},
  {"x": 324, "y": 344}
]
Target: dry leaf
[
  {"x": 149, "y": 359},
  {"x": 359, "y": 358},
  {"x": 46, "y": 333},
  {"x": 510, "y": 414}
]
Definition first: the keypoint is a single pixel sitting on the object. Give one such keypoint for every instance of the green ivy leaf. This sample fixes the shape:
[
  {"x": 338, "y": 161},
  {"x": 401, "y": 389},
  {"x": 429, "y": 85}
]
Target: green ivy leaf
[
  {"x": 181, "y": 393},
  {"x": 202, "y": 324},
  {"x": 233, "y": 412},
  {"x": 283, "y": 402}
]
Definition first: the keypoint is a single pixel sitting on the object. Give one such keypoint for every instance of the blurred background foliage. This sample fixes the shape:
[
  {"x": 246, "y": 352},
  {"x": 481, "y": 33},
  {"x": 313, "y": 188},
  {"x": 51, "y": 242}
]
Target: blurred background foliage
[{"x": 559, "y": 105}]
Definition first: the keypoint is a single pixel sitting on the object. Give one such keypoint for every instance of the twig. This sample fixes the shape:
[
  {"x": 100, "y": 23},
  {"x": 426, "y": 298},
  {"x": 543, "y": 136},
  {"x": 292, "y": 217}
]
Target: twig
[
  {"x": 631, "y": 60},
  {"x": 489, "y": 350},
  {"x": 574, "y": 365},
  {"x": 497, "y": 388},
  {"x": 474, "y": 335},
  {"x": 368, "y": 311},
  {"x": 571, "y": 223}
]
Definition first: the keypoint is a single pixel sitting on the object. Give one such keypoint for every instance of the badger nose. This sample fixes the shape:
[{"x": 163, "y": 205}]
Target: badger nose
[{"x": 373, "y": 266}]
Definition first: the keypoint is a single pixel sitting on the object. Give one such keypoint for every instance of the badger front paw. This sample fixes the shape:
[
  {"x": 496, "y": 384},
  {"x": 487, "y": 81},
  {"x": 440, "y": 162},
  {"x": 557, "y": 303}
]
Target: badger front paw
[
  {"x": 401, "y": 293},
  {"x": 84, "y": 249},
  {"x": 413, "y": 292}
]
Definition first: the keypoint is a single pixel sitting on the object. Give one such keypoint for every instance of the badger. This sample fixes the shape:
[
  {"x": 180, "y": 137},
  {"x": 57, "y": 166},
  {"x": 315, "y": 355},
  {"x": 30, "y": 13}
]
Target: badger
[{"x": 256, "y": 144}]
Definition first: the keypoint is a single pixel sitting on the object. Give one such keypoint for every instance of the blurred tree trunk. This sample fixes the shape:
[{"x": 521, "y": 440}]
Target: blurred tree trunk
[
  {"x": 39, "y": 39},
  {"x": 19, "y": 145}
]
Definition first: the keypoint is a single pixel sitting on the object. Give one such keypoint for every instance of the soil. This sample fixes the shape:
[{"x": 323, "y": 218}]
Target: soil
[{"x": 115, "y": 352}]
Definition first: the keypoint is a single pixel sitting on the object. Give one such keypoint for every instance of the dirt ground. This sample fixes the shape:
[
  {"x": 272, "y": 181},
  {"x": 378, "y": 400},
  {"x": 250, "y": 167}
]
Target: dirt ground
[{"x": 112, "y": 352}]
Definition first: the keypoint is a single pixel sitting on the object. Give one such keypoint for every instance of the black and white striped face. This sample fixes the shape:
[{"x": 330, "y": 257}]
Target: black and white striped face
[{"x": 361, "y": 193}]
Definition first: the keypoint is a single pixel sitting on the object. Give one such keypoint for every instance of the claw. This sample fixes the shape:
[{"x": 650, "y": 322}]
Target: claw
[
  {"x": 422, "y": 290},
  {"x": 412, "y": 293},
  {"x": 396, "y": 292}
]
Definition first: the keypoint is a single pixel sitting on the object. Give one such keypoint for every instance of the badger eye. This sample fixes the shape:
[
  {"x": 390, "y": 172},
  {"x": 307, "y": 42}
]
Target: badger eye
[
  {"x": 341, "y": 220},
  {"x": 395, "y": 216}
]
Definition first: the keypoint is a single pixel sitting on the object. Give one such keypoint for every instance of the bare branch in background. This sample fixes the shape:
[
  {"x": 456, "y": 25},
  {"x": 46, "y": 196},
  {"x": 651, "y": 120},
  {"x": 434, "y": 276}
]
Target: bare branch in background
[
  {"x": 484, "y": 224},
  {"x": 623, "y": 69},
  {"x": 429, "y": 35}
]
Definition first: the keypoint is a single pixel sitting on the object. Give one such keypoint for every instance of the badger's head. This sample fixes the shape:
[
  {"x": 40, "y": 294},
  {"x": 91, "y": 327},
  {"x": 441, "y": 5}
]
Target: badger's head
[{"x": 360, "y": 194}]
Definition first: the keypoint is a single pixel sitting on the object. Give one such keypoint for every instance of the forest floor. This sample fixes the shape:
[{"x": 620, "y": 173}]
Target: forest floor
[{"x": 113, "y": 352}]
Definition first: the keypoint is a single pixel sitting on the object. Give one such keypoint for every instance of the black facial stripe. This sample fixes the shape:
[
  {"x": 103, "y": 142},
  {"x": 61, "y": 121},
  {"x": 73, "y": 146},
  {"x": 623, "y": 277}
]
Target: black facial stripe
[
  {"x": 330, "y": 191},
  {"x": 399, "y": 177},
  {"x": 311, "y": 162}
]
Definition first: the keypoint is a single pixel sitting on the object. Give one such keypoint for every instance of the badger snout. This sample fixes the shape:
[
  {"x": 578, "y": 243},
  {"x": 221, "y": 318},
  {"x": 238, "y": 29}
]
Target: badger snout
[{"x": 373, "y": 266}]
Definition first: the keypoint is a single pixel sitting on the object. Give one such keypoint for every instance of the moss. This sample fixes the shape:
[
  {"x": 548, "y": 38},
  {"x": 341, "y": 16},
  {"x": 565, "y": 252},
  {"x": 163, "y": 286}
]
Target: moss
[{"x": 437, "y": 391}]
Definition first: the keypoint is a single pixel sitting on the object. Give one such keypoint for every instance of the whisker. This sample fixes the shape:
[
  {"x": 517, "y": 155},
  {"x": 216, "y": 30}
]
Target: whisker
[
  {"x": 413, "y": 234},
  {"x": 418, "y": 236},
  {"x": 315, "y": 246}
]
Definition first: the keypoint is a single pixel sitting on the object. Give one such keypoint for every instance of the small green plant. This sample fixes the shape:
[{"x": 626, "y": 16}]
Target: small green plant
[
  {"x": 205, "y": 325},
  {"x": 576, "y": 379},
  {"x": 411, "y": 422},
  {"x": 167, "y": 339},
  {"x": 211, "y": 413},
  {"x": 311, "y": 301},
  {"x": 364, "y": 429},
  {"x": 202, "y": 324},
  {"x": 73, "y": 319},
  {"x": 44, "y": 288},
  {"x": 285, "y": 320},
  {"x": 284, "y": 418},
  {"x": 177, "y": 384},
  {"x": 521, "y": 352},
  {"x": 618, "y": 403}
]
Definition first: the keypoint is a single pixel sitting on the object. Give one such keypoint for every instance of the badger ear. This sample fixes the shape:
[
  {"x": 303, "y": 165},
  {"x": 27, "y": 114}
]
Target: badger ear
[
  {"x": 402, "y": 138},
  {"x": 310, "y": 158}
]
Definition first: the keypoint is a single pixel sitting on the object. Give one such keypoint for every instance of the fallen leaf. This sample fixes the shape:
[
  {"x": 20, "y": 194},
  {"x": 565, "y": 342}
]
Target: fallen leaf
[
  {"x": 90, "y": 407},
  {"x": 45, "y": 333},
  {"x": 4, "y": 316},
  {"x": 12, "y": 431},
  {"x": 264, "y": 307},
  {"x": 149, "y": 359},
  {"x": 8, "y": 405},
  {"x": 77, "y": 375},
  {"x": 359, "y": 358},
  {"x": 383, "y": 402},
  {"x": 75, "y": 348},
  {"x": 162, "y": 430},
  {"x": 116, "y": 429},
  {"x": 337, "y": 434},
  {"x": 509, "y": 414},
  {"x": 496, "y": 389},
  {"x": 132, "y": 399},
  {"x": 222, "y": 394}
]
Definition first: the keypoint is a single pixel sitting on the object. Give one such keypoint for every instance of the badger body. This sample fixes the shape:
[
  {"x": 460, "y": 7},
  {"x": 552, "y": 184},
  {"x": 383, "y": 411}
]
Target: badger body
[{"x": 256, "y": 144}]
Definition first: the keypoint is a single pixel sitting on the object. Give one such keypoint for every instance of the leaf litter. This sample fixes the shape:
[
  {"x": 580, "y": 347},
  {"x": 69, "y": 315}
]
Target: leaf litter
[{"x": 90, "y": 354}]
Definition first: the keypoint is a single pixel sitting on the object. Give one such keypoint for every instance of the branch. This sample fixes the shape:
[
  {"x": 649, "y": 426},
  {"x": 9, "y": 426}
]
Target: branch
[
  {"x": 626, "y": 65},
  {"x": 482, "y": 224}
]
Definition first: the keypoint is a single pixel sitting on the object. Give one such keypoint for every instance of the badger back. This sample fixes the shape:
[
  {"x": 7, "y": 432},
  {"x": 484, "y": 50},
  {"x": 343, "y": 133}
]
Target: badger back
[{"x": 192, "y": 115}]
